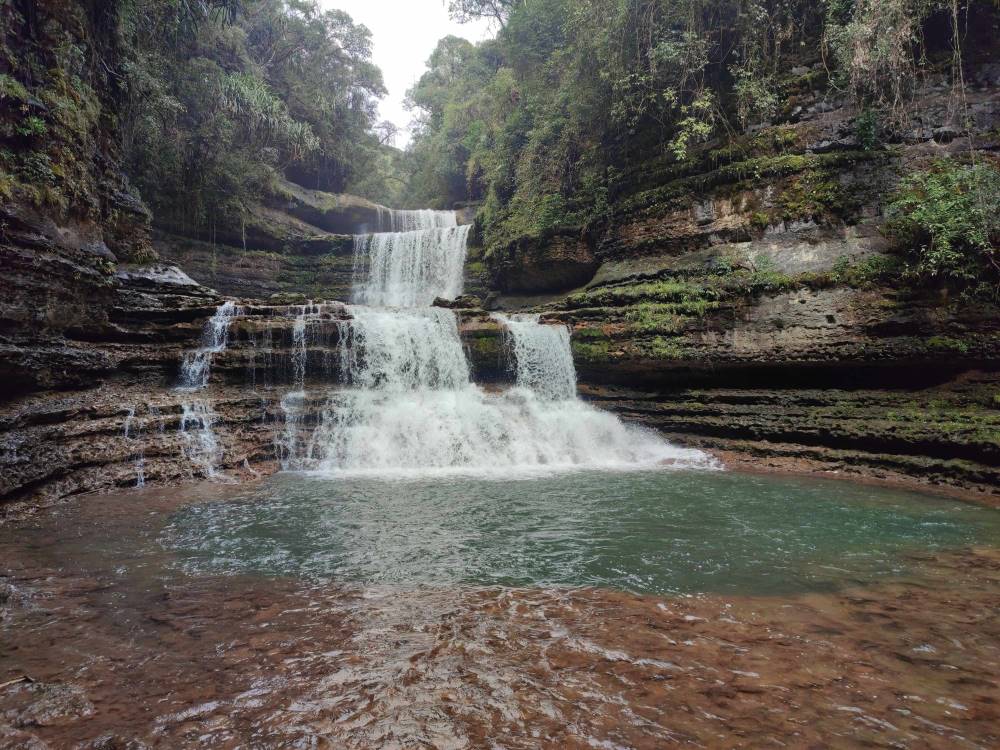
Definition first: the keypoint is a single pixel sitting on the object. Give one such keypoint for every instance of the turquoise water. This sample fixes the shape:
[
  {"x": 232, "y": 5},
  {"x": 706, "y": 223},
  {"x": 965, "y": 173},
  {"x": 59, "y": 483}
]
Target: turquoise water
[{"x": 647, "y": 532}]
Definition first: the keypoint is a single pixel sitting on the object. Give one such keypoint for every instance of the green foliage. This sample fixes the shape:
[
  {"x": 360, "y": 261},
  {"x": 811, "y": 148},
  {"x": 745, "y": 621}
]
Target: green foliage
[
  {"x": 11, "y": 88},
  {"x": 877, "y": 46},
  {"x": 868, "y": 272},
  {"x": 31, "y": 126},
  {"x": 868, "y": 129},
  {"x": 583, "y": 109},
  {"x": 666, "y": 291},
  {"x": 947, "y": 344},
  {"x": 948, "y": 219},
  {"x": 218, "y": 104}
]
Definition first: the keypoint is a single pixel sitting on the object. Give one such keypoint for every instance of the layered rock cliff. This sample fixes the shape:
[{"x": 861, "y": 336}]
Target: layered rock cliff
[{"x": 747, "y": 300}]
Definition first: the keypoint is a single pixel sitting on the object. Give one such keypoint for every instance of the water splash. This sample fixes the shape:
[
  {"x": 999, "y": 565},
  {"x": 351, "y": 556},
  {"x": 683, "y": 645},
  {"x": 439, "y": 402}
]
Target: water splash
[{"x": 507, "y": 435}]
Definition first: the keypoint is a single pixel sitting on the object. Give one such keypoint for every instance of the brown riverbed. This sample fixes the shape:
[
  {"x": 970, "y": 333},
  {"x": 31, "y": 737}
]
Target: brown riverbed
[{"x": 126, "y": 651}]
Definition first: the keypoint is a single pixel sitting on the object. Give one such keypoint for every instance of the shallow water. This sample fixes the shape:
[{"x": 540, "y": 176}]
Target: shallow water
[
  {"x": 635, "y": 610},
  {"x": 659, "y": 532}
]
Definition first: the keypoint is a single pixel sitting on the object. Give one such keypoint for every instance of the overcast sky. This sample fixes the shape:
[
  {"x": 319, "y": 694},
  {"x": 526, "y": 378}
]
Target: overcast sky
[{"x": 404, "y": 33}]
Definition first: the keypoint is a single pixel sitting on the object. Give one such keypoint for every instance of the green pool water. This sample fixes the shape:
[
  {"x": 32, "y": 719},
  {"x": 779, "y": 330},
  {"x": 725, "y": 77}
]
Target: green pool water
[{"x": 648, "y": 532}]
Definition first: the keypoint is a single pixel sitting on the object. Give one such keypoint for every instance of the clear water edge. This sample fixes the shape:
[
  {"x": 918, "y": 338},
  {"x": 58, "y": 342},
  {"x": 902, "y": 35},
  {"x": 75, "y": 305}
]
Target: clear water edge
[{"x": 648, "y": 532}]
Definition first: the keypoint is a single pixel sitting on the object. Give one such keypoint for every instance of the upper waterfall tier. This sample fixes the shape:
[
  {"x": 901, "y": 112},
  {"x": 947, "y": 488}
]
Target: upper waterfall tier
[
  {"x": 409, "y": 269},
  {"x": 421, "y": 258},
  {"x": 397, "y": 220}
]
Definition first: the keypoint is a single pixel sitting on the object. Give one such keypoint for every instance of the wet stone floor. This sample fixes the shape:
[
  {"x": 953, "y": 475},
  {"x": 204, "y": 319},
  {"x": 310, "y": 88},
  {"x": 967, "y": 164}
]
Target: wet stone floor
[{"x": 104, "y": 643}]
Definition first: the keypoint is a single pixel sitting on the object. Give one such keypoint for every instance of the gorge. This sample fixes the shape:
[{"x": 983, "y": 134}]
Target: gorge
[{"x": 661, "y": 408}]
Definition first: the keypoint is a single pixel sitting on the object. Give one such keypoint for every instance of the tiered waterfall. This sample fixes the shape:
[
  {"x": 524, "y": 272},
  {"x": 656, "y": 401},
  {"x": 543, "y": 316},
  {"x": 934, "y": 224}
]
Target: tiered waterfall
[{"x": 399, "y": 398}]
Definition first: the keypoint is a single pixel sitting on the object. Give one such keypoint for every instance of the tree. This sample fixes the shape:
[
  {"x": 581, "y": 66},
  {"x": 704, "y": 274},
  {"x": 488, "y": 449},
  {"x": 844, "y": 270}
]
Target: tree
[{"x": 464, "y": 11}]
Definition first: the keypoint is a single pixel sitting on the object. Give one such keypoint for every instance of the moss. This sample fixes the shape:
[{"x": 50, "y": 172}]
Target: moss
[
  {"x": 589, "y": 333},
  {"x": 867, "y": 272},
  {"x": 485, "y": 343},
  {"x": 947, "y": 344},
  {"x": 11, "y": 88},
  {"x": 591, "y": 351},
  {"x": 666, "y": 318},
  {"x": 661, "y": 348},
  {"x": 813, "y": 194},
  {"x": 475, "y": 268},
  {"x": 651, "y": 291},
  {"x": 754, "y": 169}
]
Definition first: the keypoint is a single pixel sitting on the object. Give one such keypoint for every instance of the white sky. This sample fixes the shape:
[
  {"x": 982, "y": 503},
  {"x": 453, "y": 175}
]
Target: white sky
[{"x": 404, "y": 33}]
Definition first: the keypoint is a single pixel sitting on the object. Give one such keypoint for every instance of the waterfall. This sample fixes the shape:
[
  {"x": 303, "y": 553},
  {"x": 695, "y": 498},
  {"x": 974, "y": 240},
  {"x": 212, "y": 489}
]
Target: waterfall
[
  {"x": 405, "y": 402},
  {"x": 396, "y": 220},
  {"x": 402, "y": 350},
  {"x": 134, "y": 434},
  {"x": 197, "y": 365},
  {"x": 542, "y": 356},
  {"x": 411, "y": 268},
  {"x": 410, "y": 407},
  {"x": 199, "y": 444}
]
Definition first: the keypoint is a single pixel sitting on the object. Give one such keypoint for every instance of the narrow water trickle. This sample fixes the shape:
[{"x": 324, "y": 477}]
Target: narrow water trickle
[
  {"x": 199, "y": 444},
  {"x": 133, "y": 434},
  {"x": 197, "y": 365}
]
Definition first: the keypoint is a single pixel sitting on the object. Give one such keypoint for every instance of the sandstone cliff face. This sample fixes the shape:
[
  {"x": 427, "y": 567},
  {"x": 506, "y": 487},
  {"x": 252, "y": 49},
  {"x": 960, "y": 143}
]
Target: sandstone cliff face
[{"x": 67, "y": 213}]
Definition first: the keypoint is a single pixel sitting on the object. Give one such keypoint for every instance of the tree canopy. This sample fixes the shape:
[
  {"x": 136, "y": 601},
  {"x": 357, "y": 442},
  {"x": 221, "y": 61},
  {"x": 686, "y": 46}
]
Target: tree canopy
[{"x": 224, "y": 96}]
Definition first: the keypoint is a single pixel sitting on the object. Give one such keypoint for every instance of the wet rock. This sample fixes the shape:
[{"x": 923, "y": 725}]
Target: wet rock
[
  {"x": 17, "y": 739},
  {"x": 543, "y": 264},
  {"x": 113, "y": 742},
  {"x": 335, "y": 213},
  {"x": 39, "y": 704},
  {"x": 160, "y": 277},
  {"x": 463, "y": 302}
]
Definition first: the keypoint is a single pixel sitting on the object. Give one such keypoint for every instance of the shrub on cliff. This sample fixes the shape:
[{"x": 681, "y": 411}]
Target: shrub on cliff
[{"x": 948, "y": 219}]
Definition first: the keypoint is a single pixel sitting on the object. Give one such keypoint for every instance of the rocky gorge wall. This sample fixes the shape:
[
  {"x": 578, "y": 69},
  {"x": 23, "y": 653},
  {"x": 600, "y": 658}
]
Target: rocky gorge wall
[
  {"x": 744, "y": 301},
  {"x": 747, "y": 301}
]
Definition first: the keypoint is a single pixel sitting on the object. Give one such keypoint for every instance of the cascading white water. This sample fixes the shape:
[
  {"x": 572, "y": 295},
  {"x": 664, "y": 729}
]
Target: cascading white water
[
  {"x": 197, "y": 365},
  {"x": 133, "y": 433},
  {"x": 542, "y": 356},
  {"x": 410, "y": 268},
  {"x": 407, "y": 404},
  {"x": 402, "y": 220},
  {"x": 402, "y": 350},
  {"x": 410, "y": 406},
  {"x": 199, "y": 444}
]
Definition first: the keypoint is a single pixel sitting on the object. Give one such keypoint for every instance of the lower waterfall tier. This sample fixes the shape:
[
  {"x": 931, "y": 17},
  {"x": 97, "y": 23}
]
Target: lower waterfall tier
[{"x": 466, "y": 431}]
